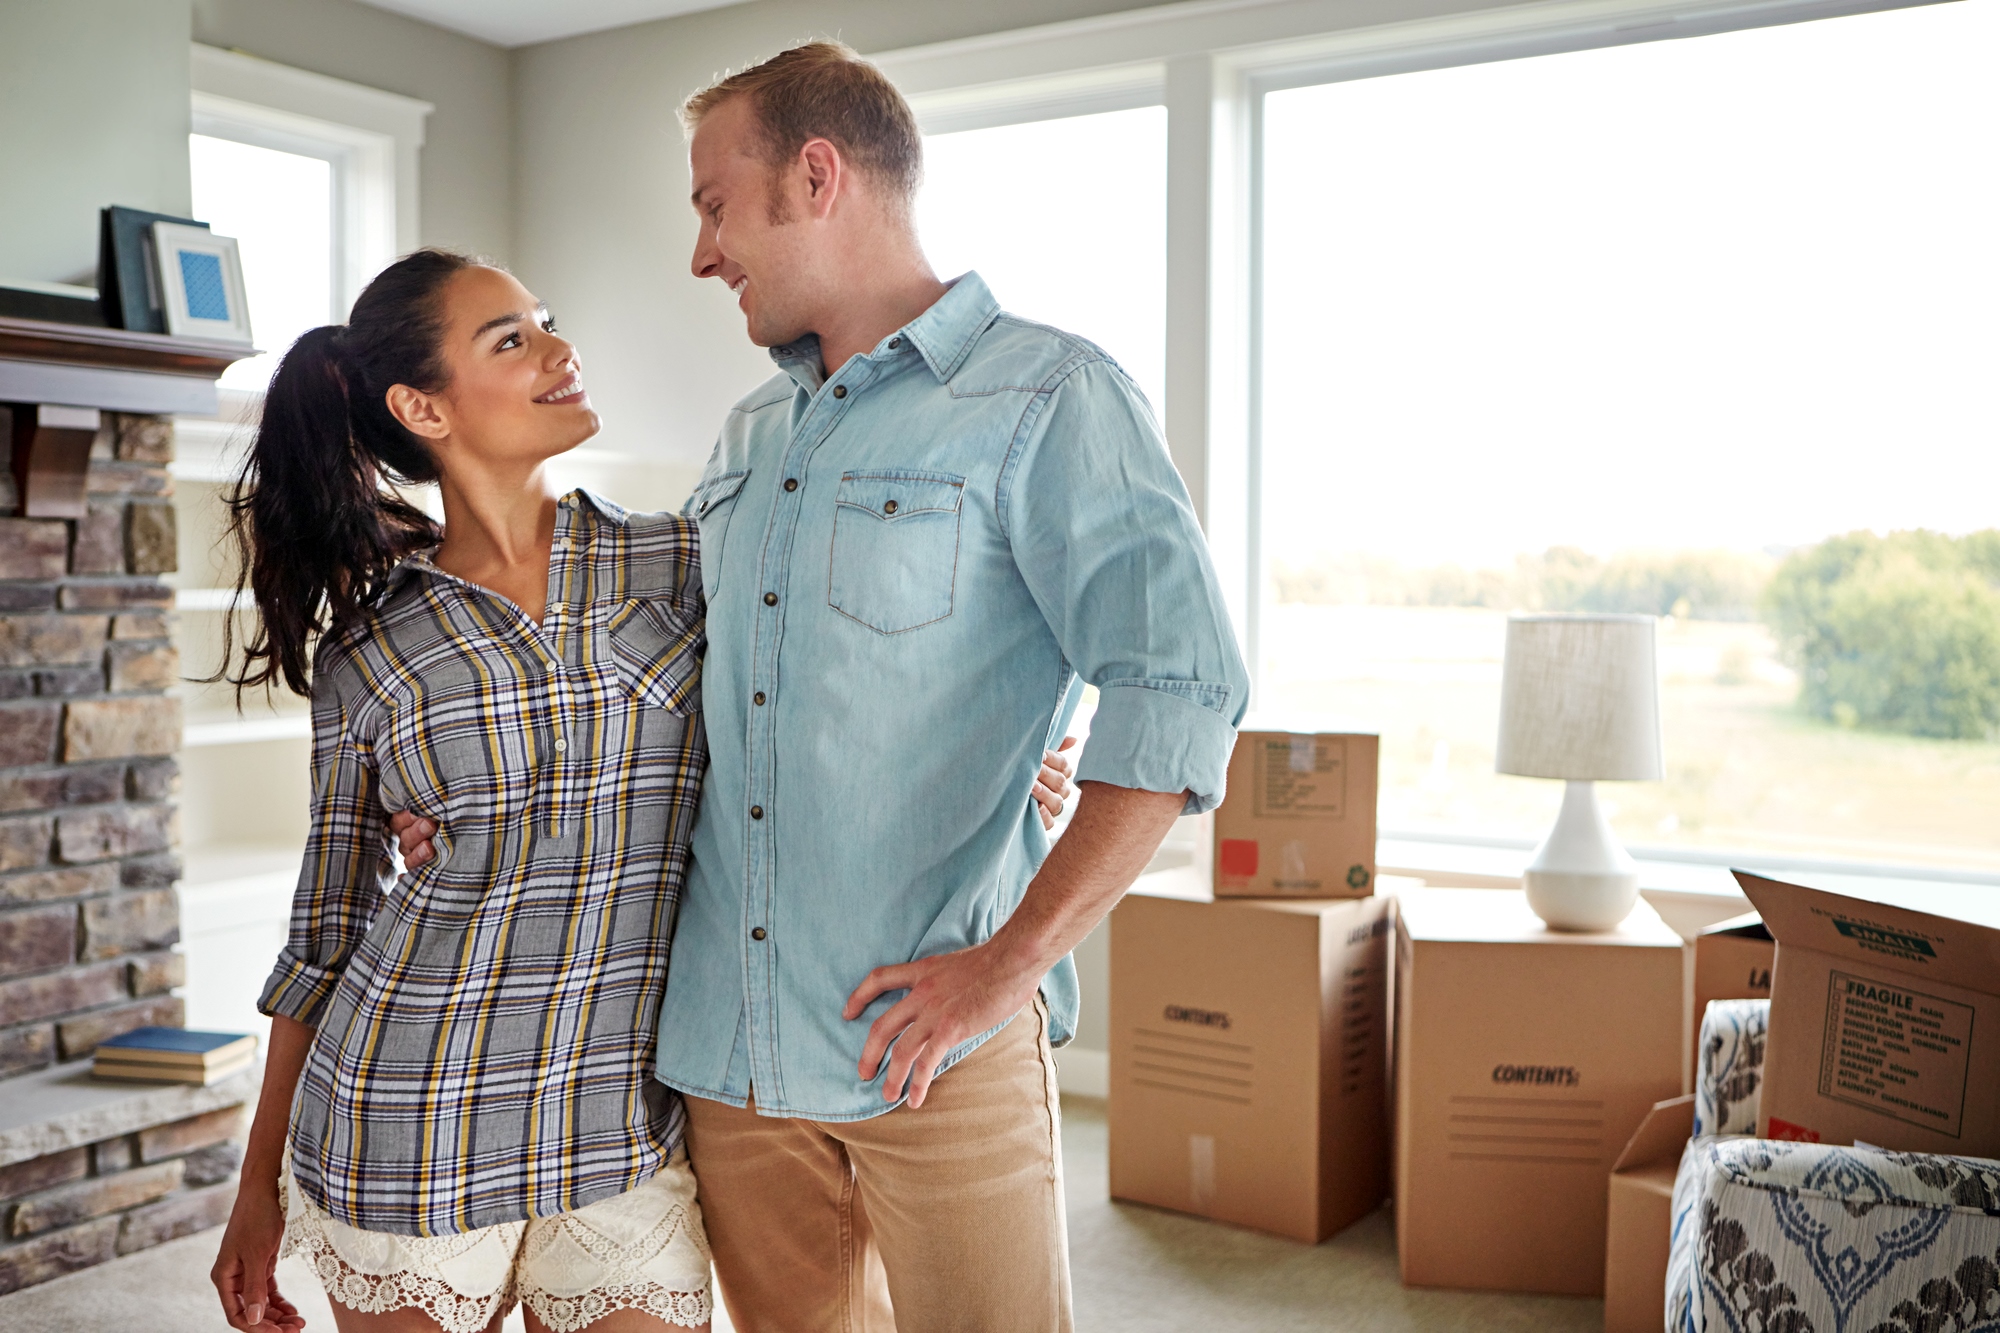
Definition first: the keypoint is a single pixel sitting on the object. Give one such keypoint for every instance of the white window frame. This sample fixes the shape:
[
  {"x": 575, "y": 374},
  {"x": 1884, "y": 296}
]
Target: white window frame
[
  {"x": 1211, "y": 62},
  {"x": 371, "y": 138}
]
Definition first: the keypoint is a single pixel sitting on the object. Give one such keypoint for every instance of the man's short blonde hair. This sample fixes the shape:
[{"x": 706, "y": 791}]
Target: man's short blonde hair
[{"x": 824, "y": 90}]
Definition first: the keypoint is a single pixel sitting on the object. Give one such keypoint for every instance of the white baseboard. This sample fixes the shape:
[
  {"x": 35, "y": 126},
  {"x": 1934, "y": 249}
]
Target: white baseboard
[{"x": 1082, "y": 1072}]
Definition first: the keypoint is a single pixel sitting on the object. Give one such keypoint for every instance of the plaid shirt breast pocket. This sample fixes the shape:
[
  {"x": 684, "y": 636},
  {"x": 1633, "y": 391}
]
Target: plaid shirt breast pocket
[{"x": 656, "y": 649}]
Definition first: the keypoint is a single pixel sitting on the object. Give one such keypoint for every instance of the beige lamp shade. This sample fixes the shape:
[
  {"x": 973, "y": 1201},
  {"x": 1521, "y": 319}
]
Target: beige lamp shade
[{"x": 1580, "y": 698}]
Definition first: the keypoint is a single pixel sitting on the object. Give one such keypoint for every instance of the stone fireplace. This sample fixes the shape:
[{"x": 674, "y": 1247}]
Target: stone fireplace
[{"x": 89, "y": 733}]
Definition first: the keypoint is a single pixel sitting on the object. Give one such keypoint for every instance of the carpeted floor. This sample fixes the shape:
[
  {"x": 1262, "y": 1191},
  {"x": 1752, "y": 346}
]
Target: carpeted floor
[{"x": 1136, "y": 1269}]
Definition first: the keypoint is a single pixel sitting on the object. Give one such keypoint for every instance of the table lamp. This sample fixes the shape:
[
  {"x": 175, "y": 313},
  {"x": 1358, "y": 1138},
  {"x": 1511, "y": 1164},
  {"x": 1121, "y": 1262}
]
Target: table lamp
[{"x": 1580, "y": 701}]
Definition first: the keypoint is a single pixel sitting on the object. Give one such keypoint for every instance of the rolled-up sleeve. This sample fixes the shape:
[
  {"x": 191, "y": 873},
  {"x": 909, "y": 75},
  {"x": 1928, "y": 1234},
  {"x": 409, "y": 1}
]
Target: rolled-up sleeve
[
  {"x": 347, "y": 869},
  {"x": 1104, "y": 533}
]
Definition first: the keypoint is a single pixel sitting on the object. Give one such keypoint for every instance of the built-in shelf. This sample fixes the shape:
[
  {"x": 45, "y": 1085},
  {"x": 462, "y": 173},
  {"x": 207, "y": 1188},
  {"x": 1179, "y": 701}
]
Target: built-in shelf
[
  {"x": 248, "y": 730},
  {"x": 205, "y": 599},
  {"x": 209, "y": 449}
]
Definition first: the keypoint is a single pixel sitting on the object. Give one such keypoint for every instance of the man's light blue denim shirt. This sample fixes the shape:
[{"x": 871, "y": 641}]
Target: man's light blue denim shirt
[{"x": 910, "y": 568}]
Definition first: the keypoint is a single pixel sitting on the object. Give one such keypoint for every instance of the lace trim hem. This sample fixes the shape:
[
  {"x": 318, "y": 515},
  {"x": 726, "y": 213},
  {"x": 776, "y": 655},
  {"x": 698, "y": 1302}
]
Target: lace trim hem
[
  {"x": 567, "y": 1314},
  {"x": 368, "y": 1294}
]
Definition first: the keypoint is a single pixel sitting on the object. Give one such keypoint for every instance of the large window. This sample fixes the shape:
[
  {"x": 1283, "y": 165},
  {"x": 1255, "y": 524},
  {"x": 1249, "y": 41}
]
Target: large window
[
  {"x": 1649, "y": 328},
  {"x": 279, "y": 207},
  {"x": 1066, "y": 221}
]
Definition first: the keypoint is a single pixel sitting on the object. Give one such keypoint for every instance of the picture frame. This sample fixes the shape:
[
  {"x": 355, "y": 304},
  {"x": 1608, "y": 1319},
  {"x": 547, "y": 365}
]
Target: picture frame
[
  {"x": 128, "y": 278},
  {"x": 201, "y": 283}
]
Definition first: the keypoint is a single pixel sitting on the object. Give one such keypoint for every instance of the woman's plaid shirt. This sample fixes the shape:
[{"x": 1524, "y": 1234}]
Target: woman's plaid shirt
[{"x": 486, "y": 1023}]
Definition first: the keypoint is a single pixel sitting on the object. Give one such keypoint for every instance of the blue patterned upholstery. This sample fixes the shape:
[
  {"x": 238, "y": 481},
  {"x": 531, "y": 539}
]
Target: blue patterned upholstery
[
  {"x": 1730, "y": 1072},
  {"x": 1815, "y": 1238}
]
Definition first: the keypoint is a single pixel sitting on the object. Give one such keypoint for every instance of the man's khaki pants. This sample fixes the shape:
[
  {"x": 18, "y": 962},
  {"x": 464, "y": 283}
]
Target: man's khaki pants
[{"x": 963, "y": 1224}]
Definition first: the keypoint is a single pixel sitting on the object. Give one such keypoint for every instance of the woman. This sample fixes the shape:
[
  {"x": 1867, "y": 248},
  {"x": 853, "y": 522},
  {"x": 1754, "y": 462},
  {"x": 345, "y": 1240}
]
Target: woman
[{"x": 458, "y": 1111}]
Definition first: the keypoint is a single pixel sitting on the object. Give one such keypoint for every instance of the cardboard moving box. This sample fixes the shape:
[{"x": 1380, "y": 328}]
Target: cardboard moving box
[
  {"x": 1732, "y": 961},
  {"x": 1248, "y": 1059},
  {"x": 1525, "y": 1058},
  {"x": 1885, "y": 1016},
  {"x": 1640, "y": 1219},
  {"x": 1299, "y": 819}
]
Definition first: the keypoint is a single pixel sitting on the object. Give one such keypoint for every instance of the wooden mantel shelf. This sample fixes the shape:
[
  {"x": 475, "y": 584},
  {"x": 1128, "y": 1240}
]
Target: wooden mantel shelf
[
  {"x": 89, "y": 345},
  {"x": 58, "y": 377}
]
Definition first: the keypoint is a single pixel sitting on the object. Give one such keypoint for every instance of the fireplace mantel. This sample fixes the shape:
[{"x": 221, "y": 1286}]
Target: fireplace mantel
[{"x": 56, "y": 378}]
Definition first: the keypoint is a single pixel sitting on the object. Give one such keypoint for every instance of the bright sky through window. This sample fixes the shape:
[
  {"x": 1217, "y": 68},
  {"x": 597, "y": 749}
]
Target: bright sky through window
[
  {"x": 1067, "y": 222},
  {"x": 1736, "y": 291},
  {"x": 1685, "y": 305},
  {"x": 279, "y": 207}
]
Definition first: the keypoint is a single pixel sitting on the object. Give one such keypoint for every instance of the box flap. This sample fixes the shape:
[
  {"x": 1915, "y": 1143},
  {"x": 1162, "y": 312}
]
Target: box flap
[
  {"x": 1958, "y": 943},
  {"x": 1691, "y": 911},
  {"x": 1749, "y": 926},
  {"x": 1660, "y": 1136}
]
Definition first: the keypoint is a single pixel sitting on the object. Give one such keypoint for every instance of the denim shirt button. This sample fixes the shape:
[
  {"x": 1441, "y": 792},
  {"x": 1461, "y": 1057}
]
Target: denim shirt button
[
  {"x": 791, "y": 483},
  {"x": 758, "y": 698},
  {"x": 756, "y": 812},
  {"x": 757, "y": 933},
  {"x": 770, "y": 599},
  {"x": 894, "y": 343},
  {"x": 840, "y": 391}
]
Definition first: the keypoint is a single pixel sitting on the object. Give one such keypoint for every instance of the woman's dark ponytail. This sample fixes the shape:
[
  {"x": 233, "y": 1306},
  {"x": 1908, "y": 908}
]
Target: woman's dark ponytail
[{"x": 315, "y": 529}]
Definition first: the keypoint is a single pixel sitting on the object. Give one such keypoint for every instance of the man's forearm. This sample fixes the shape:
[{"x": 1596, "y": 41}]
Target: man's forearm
[{"x": 1111, "y": 838}]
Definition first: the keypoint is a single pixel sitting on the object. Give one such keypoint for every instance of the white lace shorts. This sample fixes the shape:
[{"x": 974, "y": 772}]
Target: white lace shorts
[{"x": 640, "y": 1250}]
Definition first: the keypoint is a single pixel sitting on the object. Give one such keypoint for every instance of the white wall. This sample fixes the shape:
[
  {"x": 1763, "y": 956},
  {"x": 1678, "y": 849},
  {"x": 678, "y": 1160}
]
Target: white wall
[
  {"x": 603, "y": 230},
  {"x": 94, "y": 111},
  {"x": 90, "y": 114}
]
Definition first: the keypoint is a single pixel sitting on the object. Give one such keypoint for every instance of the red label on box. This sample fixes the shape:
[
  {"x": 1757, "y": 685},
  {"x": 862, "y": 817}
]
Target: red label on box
[
  {"x": 1237, "y": 858},
  {"x": 1791, "y": 1133}
]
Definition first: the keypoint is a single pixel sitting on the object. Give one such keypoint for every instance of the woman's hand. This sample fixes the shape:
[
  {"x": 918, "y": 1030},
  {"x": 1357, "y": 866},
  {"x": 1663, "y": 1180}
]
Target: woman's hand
[
  {"x": 1053, "y": 787},
  {"x": 246, "y": 1269}
]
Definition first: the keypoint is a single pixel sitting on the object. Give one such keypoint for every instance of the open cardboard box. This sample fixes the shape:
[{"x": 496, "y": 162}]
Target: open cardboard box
[
  {"x": 1728, "y": 957},
  {"x": 1885, "y": 1016},
  {"x": 1640, "y": 1220},
  {"x": 1732, "y": 961}
]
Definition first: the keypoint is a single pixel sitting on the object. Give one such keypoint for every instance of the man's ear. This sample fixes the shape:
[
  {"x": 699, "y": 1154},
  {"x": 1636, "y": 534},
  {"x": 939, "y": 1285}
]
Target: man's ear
[
  {"x": 419, "y": 412},
  {"x": 826, "y": 175}
]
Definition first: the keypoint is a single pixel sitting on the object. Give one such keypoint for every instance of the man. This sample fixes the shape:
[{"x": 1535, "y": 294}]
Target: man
[{"x": 916, "y": 537}]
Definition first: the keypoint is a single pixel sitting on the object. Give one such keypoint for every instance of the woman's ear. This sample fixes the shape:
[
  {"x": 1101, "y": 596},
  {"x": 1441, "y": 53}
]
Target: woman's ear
[{"x": 419, "y": 412}]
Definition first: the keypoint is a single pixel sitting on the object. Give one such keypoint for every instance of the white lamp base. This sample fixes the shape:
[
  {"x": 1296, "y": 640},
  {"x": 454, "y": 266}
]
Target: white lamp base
[{"x": 1581, "y": 878}]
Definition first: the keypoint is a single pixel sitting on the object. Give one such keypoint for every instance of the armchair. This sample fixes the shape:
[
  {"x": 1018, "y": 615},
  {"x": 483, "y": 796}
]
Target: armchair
[{"x": 1775, "y": 1237}]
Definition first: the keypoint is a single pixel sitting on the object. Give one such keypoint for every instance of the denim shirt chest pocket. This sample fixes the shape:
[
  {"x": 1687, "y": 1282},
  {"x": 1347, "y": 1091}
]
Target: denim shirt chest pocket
[
  {"x": 710, "y": 507},
  {"x": 894, "y": 564}
]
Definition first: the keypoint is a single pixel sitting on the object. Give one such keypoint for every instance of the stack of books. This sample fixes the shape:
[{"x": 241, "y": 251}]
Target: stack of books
[{"x": 174, "y": 1055}]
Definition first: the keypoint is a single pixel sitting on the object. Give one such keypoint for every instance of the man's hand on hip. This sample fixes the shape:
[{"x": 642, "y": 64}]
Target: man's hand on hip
[
  {"x": 954, "y": 997},
  {"x": 951, "y": 998}
]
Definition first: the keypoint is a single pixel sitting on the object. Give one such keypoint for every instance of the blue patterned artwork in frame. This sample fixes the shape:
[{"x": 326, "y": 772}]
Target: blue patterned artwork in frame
[{"x": 201, "y": 275}]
